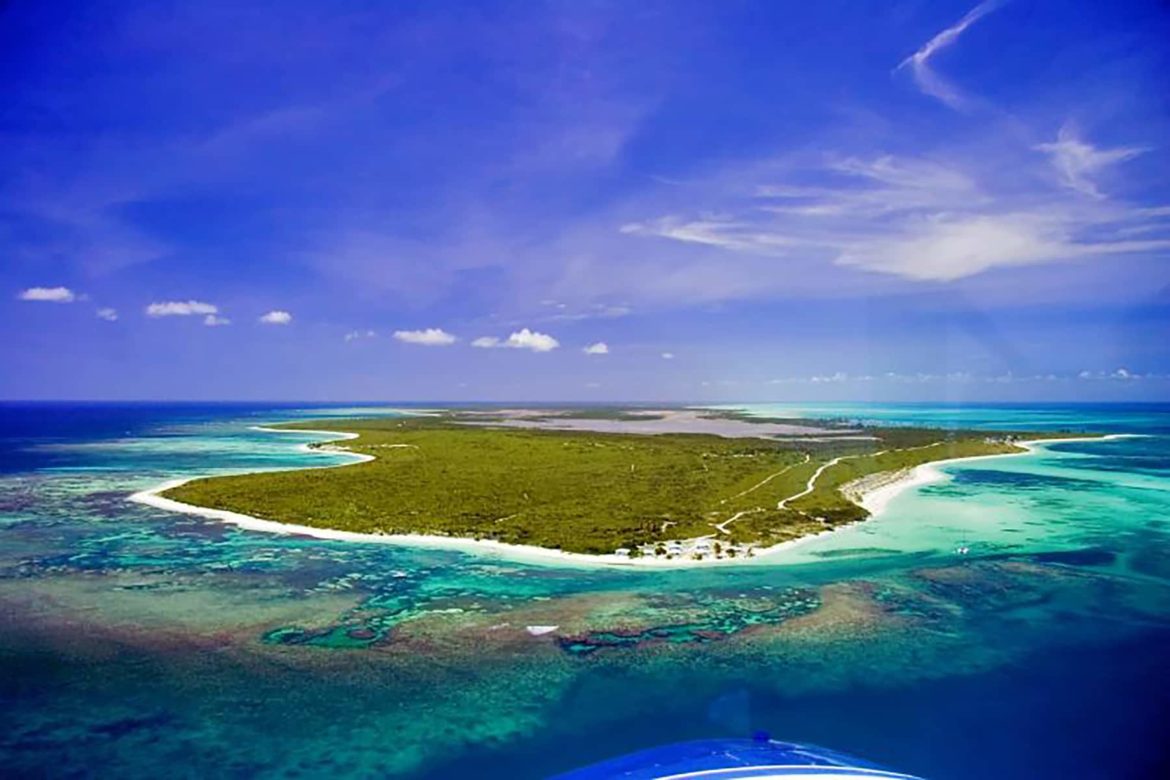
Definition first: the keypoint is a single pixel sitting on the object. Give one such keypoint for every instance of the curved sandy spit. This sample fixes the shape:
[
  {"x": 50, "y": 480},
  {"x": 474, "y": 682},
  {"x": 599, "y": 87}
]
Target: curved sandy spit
[{"x": 874, "y": 501}]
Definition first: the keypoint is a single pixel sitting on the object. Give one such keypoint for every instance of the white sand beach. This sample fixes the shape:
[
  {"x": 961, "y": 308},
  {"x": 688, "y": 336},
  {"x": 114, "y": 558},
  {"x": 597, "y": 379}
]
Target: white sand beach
[
  {"x": 876, "y": 495},
  {"x": 519, "y": 553}
]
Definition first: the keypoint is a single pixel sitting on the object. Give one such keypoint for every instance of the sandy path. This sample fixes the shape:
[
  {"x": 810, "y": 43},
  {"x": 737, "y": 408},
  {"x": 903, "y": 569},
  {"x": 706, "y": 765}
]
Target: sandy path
[{"x": 812, "y": 481}]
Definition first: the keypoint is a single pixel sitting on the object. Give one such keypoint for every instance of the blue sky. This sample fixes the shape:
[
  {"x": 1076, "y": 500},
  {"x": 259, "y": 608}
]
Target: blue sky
[{"x": 585, "y": 200}]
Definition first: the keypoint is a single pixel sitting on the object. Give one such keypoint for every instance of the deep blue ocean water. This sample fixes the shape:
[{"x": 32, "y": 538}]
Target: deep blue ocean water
[{"x": 134, "y": 642}]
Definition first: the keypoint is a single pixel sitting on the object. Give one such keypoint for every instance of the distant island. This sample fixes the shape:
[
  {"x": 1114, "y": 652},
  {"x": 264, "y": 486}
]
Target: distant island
[{"x": 662, "y": 485}]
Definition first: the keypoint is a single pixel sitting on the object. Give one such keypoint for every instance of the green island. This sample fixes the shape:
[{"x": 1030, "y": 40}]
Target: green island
[{"x": 673, "y": 483}]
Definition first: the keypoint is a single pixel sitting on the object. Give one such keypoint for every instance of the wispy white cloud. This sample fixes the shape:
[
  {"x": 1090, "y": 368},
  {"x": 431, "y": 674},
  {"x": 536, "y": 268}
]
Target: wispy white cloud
[
  {"x": 919, "y": 63},
  {"x": 213, "y": 321},
  {"x": 922, "y": 219},
  {"x": 949, "y": 248},
  {"x": 430, "y": 337},
  {"x": 600, "y": 348},
  {"x": 725, "y": 233},
  {"x": 354, "y": 335},
  {"x": 48, "y": 295},
  {"x": 1077, "y": 161},
  {"x": 593, "y": 311},
  {"x": 276, "y": 317},
  {"x": 181, "y": 309},
  {"x": 915, "y": 181},
  {"x": 521, "y": 339},
  {"x": 668, "y": 356},
  {"x": 107, "y": 314}
]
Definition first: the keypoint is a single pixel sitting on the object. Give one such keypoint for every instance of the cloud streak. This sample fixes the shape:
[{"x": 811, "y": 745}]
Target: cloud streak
[
  {"x": 181, "y": 309},
  {"x": 919, "y": 62}
]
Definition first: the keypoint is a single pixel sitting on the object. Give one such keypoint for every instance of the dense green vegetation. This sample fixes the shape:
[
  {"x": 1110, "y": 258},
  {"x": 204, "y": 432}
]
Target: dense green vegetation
[{"x": 578, "y": 491}]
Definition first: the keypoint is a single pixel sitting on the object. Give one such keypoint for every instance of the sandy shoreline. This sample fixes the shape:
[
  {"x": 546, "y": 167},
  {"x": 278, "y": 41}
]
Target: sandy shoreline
[
  {"x": 874, "y": 501},
  {"x": 490, "y": 548}
]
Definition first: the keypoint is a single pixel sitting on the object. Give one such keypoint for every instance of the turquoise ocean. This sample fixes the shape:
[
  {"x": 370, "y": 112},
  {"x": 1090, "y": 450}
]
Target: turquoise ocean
[{"x": 139, "y": 643}]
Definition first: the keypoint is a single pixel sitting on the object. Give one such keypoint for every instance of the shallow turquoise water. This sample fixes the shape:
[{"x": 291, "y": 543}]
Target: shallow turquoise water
[{"x": 134, "y": 641}]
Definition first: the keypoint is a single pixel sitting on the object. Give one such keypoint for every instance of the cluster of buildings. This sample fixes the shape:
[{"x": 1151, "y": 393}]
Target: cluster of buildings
[{"x": 698, "y": 549}]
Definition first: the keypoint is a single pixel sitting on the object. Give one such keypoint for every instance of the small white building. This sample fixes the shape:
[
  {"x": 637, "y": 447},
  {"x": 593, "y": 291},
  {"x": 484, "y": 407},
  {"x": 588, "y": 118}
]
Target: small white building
[{"x": 622, "y": 551}]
